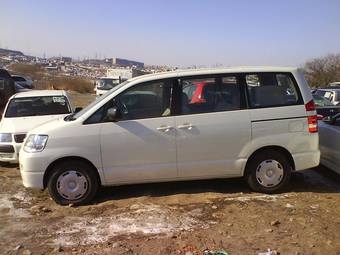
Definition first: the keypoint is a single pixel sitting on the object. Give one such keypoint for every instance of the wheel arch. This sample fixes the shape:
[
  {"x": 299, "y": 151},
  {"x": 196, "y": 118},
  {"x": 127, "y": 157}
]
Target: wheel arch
[
  {"x": 49, "y": 169},
  {"x": 276, "y": 148}
]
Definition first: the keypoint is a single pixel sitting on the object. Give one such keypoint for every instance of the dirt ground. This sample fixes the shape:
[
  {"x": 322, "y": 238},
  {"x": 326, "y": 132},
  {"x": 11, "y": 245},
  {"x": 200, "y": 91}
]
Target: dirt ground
[{"x": 175, "y": 218}]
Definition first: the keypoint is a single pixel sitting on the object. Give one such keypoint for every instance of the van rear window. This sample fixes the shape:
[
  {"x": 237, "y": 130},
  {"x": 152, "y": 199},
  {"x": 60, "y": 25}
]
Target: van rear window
[{"x": 272, "y": 89}]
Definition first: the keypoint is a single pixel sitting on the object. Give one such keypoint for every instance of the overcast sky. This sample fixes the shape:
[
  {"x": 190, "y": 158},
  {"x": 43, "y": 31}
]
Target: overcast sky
[{"x": 176, "y": 32}]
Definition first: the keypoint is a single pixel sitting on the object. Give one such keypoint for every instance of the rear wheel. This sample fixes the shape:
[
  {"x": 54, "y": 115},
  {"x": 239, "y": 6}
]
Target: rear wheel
[
  {"x": 72, "y": 182},
  {"x": 268, "y": 172}
]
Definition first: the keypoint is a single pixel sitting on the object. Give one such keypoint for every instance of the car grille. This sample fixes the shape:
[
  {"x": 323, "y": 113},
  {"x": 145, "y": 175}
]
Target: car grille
[
  {"x": 6, "y": 149},
  {"x": 19, "y": 138}
]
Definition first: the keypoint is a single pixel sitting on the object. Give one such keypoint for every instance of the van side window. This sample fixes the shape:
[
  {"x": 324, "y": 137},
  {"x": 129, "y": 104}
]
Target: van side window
[
  {"x": 271, "y": 89},
  {"x": 210, "y": 95},
  {"x": 147, "y": 100}
]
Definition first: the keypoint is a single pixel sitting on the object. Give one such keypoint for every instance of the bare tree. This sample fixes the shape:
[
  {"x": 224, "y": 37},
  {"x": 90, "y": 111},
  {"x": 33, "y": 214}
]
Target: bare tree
[{"x": 321, "y": 71}]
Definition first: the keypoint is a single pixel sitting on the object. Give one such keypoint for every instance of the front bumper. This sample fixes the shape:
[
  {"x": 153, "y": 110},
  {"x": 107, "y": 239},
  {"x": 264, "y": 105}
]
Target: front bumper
[
  {"x": 10, "y": 155},
  {"x": 100, "y": 92},
  {"x": 33, "y": 179},
  {"x": 32, "y": 169}
]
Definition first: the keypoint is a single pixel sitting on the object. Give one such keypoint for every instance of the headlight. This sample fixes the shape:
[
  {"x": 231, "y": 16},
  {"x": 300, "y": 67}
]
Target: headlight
[
  {"x": 35, "y": 143},
  {"x": 5, "y": 137}
]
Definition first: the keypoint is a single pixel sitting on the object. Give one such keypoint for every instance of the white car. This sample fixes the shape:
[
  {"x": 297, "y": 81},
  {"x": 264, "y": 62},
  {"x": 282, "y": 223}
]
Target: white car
[
  {"x": 153, "y": 129},
  {"x": 330, "y": 142},
  {"x": 104, "y": 84},
  {"x": 25, "y": 111}
]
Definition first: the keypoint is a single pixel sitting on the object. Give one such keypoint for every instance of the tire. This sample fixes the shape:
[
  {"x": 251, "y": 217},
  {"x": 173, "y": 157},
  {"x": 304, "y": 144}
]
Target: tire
[
  {"x": 268, "y": 172},
  {"x": 73, "y": 182}
]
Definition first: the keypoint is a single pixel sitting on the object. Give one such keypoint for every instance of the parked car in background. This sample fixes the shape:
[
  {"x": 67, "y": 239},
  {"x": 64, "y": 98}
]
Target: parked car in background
[
  {"x": 104, "y": 84},
  {"x": 197, "y": 92},
  {"x": 7, "y": 88},
  {"x": 25, "y": 111},
  {"x": 330, "y": 142},
  {"x": 23, "y": 82},
  {"x": 148, "y": 130},
  {"x": 335, "y": 84},
  {"x": 332, "y": 94},
  {"x": 324, "y": 107},
  {"x": 115, "y": 76}
]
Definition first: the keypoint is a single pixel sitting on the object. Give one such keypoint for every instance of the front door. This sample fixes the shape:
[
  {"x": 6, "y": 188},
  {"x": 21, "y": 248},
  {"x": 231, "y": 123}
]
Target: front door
[
  {"x": 213, "y": 127},
  {"x": 141, "y": 147}
]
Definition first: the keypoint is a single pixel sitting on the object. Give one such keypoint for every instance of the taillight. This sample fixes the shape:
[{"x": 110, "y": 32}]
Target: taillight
[
  {"x": 312, "y": 120},
  {"x": 310, "y": 106},
  {"x": 313, "y": 124}
]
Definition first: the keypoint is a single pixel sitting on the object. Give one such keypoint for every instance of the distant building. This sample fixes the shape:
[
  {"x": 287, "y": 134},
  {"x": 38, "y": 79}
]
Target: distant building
[
  {"x": 108, "y": 61},
  {"x": 127, "y": 63},
  {"x": 66, "y": 59}
]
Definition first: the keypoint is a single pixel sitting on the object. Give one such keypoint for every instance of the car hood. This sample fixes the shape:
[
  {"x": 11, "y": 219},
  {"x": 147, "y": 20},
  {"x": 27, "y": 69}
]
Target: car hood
[
  {"x": 51, "y": 126},
  {"x": 25, "y": 124}
]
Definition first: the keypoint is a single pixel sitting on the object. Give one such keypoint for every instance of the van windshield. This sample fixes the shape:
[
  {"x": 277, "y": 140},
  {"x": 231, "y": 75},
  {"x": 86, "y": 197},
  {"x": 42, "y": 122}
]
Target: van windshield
[
  {"x": 321, "y": 101},
  {"x": 37, "y": 106},
  {"x": 107, "y": 83},
  {"x": 97, "y": 101}
]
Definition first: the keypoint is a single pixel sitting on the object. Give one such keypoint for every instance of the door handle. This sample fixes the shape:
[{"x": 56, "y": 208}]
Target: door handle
[
  {"x": 186, "y": 125},
  {"x": 164, "y": 128}
]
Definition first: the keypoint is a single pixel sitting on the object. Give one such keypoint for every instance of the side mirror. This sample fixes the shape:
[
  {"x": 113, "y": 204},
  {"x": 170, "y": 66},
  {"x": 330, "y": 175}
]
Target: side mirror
[
  {"x": 112, "y": 114},
  {"x": 78, "y": 109}
]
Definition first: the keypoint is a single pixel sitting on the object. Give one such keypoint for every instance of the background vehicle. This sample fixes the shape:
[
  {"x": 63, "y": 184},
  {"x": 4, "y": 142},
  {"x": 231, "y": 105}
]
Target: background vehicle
[
  {"x": 114, "y": 76},
  {"x": 197, "y": 92},
  {"x": 335, "y": 84},
  {"x": 330, "y": 142},
  {"x": 23, "y": 82},
  {"x": 324, "y": 107},
  {"x": 7, "y": 88},
  {"x": 259, "y": 123},
  {"x": 332, "y": 94},
  {"x": 26, "y": 111},
  {"x": 104, "y": 84}
]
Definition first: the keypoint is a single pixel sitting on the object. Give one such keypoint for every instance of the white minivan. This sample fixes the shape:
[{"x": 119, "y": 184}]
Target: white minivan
[{"x": 256, "y": 122}]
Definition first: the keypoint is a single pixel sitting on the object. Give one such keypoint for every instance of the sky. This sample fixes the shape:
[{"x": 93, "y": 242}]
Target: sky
[{"x": 177, "y": 32}]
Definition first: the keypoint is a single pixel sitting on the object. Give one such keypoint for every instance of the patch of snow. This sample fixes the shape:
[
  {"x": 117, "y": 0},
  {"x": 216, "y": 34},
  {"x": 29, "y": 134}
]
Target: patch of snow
[
  {"x": 269, "y": 198},
  {"x": 22, "y": 196},
  {"x": 148, "y": 219},
  {"x": 7, "y": 208}
]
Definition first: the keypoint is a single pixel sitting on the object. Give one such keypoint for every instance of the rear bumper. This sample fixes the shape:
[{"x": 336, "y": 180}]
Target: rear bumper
[
  {"x": 306, "y": 160},
  {"x": 100, "y": 92}
]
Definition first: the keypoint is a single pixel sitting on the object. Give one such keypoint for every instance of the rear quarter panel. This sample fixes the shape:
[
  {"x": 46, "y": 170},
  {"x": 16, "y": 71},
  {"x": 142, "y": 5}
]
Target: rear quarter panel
[
  {"x": 285, "y": 126},
  {"x": 288, "y": 130}
]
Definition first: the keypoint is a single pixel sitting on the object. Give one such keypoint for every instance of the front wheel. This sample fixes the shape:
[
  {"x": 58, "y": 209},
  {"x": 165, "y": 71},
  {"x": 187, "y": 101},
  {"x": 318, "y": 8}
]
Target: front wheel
[
  {"x": 268, "y": 172},
  {"x": 72, "y": 182}
]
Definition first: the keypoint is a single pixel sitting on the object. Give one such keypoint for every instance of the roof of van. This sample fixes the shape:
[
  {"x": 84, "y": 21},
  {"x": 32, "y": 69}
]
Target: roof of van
[
  {"x": 206, "y": 71},
  {"x": 40, "y": 93}
]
